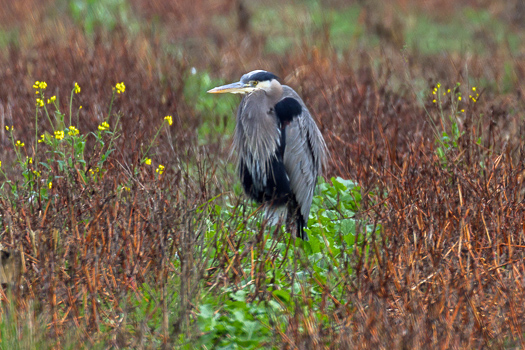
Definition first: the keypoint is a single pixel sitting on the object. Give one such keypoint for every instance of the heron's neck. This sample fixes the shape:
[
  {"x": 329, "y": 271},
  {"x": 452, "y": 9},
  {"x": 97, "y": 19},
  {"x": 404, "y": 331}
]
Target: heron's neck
[{"x": 275, "y": 92}]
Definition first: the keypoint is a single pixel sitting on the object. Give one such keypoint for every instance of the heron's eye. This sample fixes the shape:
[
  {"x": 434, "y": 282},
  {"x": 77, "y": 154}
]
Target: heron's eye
[{"x": 254, "y": 83}]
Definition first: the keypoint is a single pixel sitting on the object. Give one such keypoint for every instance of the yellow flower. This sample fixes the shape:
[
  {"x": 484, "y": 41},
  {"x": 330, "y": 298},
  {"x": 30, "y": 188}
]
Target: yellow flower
[
  {"x": 448, "y": 91},
  {"x": 29, "y": 160},
  {"x": 169, "y": 119},
  {"x": 80, "y": 107},
  {"x": 148, "y": 161},
  {"x": 7, "y": 128},
  {"x": 59, "y": 134},
  {"x": 39, "y": 102},
  {"x": 459, "y": 98},
  {"x": 103, "y": 126},
  {"x": 438, "y": 85},
  {"x": 0, "y": 163},
  {"x": 160, "y": 169},
  {"x": 50, "y": 185},
  {"x": 36, "y": 173},
  {"x": 120, "y": 87},
  {"x": 42, "y": 138},
  {"x": 51, "y": 100},
  {"x": 19, "y": 144},
  {"x": 462, "y": 111},
  {"x": 77, "y": 88},
  {"x": 40, "y": 85},
  {"x": 433, "y": 101},
  {"x": 473, "y": 88},
  {"x": 73, "y": 131}
]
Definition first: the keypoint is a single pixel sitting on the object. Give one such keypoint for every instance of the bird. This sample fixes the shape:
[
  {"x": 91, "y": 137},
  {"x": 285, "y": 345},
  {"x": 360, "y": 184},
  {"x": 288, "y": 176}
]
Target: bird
[{"x": 280, "y": 150}]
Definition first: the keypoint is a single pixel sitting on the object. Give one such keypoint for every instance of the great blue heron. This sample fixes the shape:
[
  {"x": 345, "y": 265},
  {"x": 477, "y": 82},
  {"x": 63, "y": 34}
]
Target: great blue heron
[{"x": 280, "y": 149}]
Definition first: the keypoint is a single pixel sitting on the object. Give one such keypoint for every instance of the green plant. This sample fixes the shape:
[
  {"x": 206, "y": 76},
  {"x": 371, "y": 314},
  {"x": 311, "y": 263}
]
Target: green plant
[
  {"x": 296, "y": 273},
  {"x": 63, "y": 152},
  {"x": 217, "y": 118},
  {"x": 451, "y": 108},
  {"x": 95, "y": 13},
  {"x": 230, "y": 321}
]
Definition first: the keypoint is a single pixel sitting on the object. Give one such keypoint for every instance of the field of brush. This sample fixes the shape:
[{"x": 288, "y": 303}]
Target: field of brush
[{"x": 123, "y": 224}]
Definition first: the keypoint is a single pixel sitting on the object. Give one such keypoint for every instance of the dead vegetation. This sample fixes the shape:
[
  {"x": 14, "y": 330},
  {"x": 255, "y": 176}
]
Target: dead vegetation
[{"x": 447, "y": 270}]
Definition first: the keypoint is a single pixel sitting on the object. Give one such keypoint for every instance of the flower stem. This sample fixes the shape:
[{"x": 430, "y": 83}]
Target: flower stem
[
  {"x": 152, "y": 141},
  {"x": 71, "y": 106}
]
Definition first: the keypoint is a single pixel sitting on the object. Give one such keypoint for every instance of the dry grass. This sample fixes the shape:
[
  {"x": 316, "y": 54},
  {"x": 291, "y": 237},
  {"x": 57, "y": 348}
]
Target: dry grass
[{"x": 447, "y": 270}]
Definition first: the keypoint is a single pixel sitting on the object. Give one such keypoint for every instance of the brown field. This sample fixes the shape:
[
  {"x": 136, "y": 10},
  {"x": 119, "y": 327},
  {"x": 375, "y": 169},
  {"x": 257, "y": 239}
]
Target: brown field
[{"x": 443, "y": 183}]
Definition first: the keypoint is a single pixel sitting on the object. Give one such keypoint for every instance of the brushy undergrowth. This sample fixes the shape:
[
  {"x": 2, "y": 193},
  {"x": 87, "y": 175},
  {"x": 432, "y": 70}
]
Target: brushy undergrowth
[{"x": 122, "y": 224}]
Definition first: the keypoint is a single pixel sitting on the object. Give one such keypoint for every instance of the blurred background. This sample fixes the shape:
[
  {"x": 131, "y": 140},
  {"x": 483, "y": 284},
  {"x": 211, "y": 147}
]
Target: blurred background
[{"x": 421, "y": 104}]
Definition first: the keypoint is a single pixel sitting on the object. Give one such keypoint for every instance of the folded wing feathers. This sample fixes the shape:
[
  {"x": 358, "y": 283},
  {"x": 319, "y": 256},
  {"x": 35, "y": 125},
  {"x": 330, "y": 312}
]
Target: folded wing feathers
[{"x": 300, "y": 163}]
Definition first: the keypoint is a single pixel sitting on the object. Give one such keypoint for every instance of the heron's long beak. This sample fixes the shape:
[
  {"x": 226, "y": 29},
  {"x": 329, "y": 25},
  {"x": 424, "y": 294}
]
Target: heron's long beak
[{"x": 234, "y": 88}]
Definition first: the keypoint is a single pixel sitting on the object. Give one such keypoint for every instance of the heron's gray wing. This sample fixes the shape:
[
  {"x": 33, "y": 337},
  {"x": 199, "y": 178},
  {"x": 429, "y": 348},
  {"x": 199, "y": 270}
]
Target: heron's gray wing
[
  {"x": 304, "y": 155},
  {"x": 317, "y": 143}
]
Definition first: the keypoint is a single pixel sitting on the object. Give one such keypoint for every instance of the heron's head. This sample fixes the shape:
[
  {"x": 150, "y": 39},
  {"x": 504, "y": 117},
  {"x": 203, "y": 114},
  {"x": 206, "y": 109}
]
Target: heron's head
[{"x": 250, "y": 82}]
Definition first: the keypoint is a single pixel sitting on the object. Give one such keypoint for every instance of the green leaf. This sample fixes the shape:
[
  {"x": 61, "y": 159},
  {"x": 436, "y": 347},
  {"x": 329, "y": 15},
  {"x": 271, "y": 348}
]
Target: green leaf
[
  {"x": 239, "y": 295},
  {"x": 250, "y": 327},
  {"x": 282, "y": 295}
]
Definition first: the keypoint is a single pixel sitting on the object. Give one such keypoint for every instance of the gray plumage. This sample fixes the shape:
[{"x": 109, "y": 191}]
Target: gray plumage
[{"x": 280, "y": 151}]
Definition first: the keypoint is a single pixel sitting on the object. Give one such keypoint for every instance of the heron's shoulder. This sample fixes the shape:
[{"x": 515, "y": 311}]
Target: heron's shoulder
[
  {"x": 289, "y": 92},
  {"x": 287, "y": 109}
]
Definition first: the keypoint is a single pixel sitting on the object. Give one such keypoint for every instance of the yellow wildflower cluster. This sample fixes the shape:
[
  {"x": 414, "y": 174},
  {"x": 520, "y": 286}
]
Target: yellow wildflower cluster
[
  {"x": 59, "y": 134},
  {"x": 103, "y": 126},
  {"x": 36, "y": 173},
  {"x": 120, "y": 87},
  {"x": 148, "y": 161},
  {"x": 39, "y": 102},
  {"x": 19, "y": 144},
  {"x": 42, "y": 138},
  {"x": 434, "y": 92},
  {"x": 50, "y": 185},
  {"x": 160, "y": 169},
  {"x": 51, "y": 100},
  {"x": 474, "y": 98},
  {"x": 40, "y": 85},
  {"x": 77, "y": 88},
  {"x": 169, "y": 119},
  {"x": 73, "y": 131}
]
